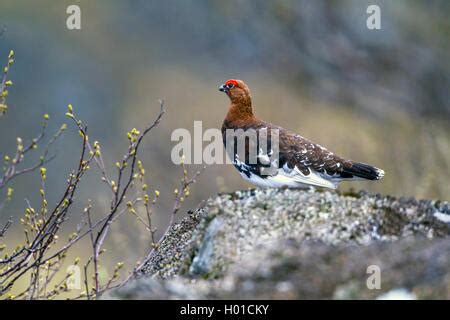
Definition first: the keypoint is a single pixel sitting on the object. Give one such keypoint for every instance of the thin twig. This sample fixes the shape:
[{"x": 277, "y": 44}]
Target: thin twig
[{"x": 5, "y": 227}]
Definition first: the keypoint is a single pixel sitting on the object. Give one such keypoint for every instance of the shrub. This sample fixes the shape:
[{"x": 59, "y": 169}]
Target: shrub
[{"x": 41, "y": 257}]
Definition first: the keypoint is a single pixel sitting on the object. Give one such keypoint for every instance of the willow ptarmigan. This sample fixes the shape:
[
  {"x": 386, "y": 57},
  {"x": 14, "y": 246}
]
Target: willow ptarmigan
[{"x": 300, "y": 162}]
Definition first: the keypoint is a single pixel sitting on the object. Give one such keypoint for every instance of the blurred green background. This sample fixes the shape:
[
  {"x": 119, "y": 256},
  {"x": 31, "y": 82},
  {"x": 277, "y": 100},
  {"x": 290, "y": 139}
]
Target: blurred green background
[{"x": 375, "y": 96}]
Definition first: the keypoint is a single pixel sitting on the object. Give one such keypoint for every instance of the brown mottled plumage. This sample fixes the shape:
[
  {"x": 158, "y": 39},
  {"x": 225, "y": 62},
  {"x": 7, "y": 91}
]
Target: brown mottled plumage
[{"x": 301, "y": 162}]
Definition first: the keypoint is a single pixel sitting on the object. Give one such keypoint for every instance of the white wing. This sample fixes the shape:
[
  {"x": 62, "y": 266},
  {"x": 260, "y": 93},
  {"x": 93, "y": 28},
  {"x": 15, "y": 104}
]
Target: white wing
[{"x": 313, "y": 178}]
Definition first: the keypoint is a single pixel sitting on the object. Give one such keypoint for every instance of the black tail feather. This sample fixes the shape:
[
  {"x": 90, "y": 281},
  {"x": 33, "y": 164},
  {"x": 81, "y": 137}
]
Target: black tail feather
[{"x": 362, "y": 170}]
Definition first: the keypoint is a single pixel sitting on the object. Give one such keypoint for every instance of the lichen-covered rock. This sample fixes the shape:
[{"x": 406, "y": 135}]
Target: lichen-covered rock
[
  {"x": 231, "y": 225},
  {"x": 176, "y": 248},
  {"x": 301, "y": 244},
  {"x": 316, "y": 270},
  {"x": 412, "y": 268}
]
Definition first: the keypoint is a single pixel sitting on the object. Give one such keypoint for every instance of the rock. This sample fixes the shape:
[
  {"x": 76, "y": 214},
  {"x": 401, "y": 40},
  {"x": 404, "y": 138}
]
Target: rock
[
  {"x": 230, "y": 225},
  {"x": 301, "y": 244},
  {"x": 290, "y": 269},
  {"x": 312, "y": 270}
]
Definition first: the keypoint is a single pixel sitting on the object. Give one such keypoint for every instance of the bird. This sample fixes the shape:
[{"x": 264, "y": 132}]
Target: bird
[{"x": 300, "y": 163}]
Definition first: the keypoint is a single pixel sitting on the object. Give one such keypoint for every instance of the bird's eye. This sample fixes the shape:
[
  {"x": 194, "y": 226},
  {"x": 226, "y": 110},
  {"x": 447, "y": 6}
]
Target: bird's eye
[{"x": 230, "y": 86}]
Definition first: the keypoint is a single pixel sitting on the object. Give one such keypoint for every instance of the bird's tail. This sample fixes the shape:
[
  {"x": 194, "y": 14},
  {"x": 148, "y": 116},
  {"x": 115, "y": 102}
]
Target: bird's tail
[{"x": 365, "y": 171}]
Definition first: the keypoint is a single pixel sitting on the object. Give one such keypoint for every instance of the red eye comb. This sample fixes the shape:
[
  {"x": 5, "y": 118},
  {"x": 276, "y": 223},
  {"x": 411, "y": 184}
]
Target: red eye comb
[{"x": 231, "y": 81}]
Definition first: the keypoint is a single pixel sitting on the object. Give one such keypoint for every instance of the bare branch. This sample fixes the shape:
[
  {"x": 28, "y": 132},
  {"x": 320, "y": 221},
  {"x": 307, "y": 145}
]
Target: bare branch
[
  {"x": 41, "y": 260},
  {"x": 5, "y": 227}
]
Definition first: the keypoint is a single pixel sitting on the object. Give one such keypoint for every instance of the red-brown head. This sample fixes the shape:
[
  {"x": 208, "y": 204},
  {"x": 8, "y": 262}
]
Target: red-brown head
[
  {"x": 237, "y": 91},
  {"x": 241, "y": 101}
]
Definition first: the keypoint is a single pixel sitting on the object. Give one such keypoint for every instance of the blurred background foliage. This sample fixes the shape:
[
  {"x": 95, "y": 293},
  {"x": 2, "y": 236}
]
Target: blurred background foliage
[{"x": 380, "y": 97}]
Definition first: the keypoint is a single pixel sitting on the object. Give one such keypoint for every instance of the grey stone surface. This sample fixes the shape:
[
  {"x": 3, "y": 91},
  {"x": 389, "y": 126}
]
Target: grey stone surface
[{"x": 302, "y": 244}]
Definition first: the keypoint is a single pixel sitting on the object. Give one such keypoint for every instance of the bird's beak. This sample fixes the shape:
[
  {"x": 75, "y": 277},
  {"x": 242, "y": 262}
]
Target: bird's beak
[{"x": 223, "y": 88}]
